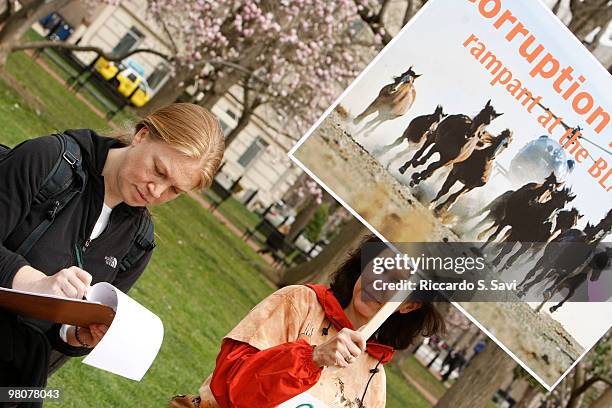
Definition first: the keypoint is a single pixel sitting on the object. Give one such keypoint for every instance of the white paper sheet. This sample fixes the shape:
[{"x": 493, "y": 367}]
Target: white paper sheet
[
  {"x": 134, "y": 338},
  {"x": 304, "y": 400}
]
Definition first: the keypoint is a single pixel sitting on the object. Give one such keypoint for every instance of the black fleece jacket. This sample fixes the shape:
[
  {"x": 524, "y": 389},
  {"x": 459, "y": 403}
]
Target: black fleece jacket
[{"x": 22, "y": 173}]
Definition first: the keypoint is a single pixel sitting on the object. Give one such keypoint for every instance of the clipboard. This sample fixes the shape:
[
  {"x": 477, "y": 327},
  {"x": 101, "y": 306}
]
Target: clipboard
[{"x": 55, "y": 309}]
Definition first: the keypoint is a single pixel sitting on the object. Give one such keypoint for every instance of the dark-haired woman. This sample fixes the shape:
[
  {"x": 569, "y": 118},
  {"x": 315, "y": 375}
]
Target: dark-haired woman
[{"x": 283, "y": 346}]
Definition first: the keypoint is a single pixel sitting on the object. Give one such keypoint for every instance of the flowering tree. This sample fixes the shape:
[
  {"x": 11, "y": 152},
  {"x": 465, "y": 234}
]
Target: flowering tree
[
  {"x": 292, "y": 56},
  {"x": 299, "y": 54}
]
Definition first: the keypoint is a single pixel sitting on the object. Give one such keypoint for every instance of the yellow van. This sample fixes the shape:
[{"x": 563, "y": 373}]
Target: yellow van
[
  {"x": 130, "y": 83},
  {"x": 106, "y": 68},
  {"x": 133, "y": 86}
]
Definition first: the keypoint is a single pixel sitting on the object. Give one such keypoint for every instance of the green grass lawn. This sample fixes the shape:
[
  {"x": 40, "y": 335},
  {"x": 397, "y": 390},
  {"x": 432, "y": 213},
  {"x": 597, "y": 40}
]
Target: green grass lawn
[
  {"x": 58, "y": 109},
  {"x": 201, "y": 282},
  {"x": 120, "y": 118},
  {"x": 234, "y": 211}
]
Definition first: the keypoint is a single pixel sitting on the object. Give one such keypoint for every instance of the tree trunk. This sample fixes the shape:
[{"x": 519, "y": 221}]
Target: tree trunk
[
  {"x": 604, "y": 400},
  {"x": 530, "y": 393},
  {"x": 305, "y": 215},
  {"x": 291, "y": 196},
  {"x": 557, "y": 6},
  {"x": 6, "y": 12},
  {"x": 169, "y": 91},
  {"x": 479, "y": 381},
  {"x": 302, "y": 219},
  {"x": 588, "y": 15},
  {"x": 578, "y": 381},
  {"x": 218, "y": 89},
  {"x": 229, "y": 77},
  {"x": 244, "y": 120},
  {"x": 18, "y": 23},
  {"x": 249, "y": 105},
  {"x": 320, "y": 268}
]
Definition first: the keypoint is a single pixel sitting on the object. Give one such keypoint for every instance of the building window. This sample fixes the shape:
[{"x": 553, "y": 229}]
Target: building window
[
  {"x": 224, "y": 127},
  {"x": 158, "y": 76},
  {"x": 128, "y": 41},
  {"x": 231, "y": 113},
  {"x": 252, "y": 152}
]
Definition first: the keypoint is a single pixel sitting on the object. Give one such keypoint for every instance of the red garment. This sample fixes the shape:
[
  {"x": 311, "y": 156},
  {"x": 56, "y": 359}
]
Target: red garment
[{"x": 245, "y": 376}]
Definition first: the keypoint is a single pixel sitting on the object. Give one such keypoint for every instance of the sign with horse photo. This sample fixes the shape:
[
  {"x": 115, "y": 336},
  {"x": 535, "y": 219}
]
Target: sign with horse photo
[{"x": 487, "y": 121}]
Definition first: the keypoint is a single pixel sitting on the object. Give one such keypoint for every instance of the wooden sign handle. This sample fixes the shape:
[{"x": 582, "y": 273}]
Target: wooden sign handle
[{"x": 383, "y": 314}]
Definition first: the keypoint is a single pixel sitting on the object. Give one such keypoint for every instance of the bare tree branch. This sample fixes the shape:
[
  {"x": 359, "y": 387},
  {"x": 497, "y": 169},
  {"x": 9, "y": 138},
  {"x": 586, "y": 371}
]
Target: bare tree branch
[
  {"x": 383, "y": 9},
  {"x": 165, "y": 27},
  {"x": 375, "y": 23},
  {"x": 97, "y": 50},
  {"x": 586, "y": 385},
  {"x": 407, "y": 13},
  {"x": 7, "y": 12},
  {"x": 111, "y": 57}
]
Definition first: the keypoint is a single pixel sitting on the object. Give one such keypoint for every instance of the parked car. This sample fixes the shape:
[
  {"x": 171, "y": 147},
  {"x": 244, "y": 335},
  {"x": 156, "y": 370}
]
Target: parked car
[
  {"x": 59, "y": 29},
  {"x": 128, "y": 78},
  {"x": 107, "y": 69}
]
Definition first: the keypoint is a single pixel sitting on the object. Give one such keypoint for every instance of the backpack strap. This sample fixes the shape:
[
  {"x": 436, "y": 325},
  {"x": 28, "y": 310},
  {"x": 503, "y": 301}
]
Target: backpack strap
[
  {"x": 144, "y": 241},
  {"x": 66, "y": 180}
]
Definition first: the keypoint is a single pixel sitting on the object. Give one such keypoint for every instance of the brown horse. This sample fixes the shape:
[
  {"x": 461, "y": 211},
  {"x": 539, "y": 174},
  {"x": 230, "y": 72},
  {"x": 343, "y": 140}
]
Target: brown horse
[
  {"x": 392, "y": 101},
  {"x": 415, "y": 133},
  {"x": 495, "y": 210},
  {"x": 454, "y": 140},
  {"x": 473, "y": 172}
]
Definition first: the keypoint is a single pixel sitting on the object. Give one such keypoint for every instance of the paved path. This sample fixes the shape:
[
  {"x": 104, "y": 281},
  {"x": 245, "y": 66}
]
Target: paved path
[{"x": 433, "y": 400}]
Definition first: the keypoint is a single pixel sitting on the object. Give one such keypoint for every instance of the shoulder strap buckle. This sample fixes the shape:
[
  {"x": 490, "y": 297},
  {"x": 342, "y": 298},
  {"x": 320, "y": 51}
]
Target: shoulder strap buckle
[{"x": 72, "y": 160}]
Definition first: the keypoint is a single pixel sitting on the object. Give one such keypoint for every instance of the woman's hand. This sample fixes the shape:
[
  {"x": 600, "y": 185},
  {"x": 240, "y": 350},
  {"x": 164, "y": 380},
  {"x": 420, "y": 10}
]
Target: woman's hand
[
  {"x": 71, "y": 282},
  {"x": 340, "y": 350},
  {"x": 87, "y": 336}
]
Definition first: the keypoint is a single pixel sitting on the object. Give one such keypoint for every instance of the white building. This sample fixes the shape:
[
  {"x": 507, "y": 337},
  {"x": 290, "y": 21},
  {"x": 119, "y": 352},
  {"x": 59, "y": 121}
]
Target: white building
[{"x": 258, "y": 155}]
